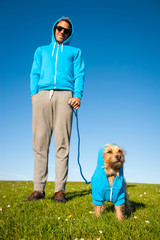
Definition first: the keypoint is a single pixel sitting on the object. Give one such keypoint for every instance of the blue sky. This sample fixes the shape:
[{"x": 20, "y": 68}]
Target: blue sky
[{"x": 120, "y": 43}]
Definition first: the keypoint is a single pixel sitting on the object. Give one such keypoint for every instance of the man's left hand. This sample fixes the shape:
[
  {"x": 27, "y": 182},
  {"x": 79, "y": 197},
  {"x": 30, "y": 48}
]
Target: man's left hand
[{"x": 75, "y": 102}]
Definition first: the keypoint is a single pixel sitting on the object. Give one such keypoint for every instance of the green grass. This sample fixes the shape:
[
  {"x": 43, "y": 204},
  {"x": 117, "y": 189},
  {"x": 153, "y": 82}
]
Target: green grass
[{"x": 44, "y": 219}]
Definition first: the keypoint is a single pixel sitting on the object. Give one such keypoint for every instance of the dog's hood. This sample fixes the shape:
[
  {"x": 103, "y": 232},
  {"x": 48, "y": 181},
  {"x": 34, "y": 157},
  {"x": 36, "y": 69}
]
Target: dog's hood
[
  {"x": 100, "y": 161},
  {"x": 101, "y": 190}
]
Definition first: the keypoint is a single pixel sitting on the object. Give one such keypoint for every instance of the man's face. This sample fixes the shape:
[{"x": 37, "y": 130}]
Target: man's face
[{"x": 62, "y": 31}]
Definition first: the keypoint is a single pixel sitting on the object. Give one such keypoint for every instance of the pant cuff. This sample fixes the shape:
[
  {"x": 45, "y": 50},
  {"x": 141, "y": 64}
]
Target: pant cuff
[
  {"x": 39, "y": 186},
  {"x": 59, "y": 187}
]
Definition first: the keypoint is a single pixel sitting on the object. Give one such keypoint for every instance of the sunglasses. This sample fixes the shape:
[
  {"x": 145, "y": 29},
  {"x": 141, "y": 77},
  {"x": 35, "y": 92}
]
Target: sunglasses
[{"x": 66, "y": 30}]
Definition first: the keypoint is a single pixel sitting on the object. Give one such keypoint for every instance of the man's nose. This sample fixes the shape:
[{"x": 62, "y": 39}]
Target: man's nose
[{"x": 62, "y": 31}]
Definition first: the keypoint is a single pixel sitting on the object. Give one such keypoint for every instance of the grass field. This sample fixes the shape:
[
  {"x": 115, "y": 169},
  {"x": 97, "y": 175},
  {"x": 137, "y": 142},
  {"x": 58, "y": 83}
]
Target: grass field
[{"x": 44, "y": 219}]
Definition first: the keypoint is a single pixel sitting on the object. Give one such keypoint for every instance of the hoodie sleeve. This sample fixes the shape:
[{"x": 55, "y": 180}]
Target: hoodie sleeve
[
  {"x": 79, "y": 74},
  {"x": 35, "y": 72}
]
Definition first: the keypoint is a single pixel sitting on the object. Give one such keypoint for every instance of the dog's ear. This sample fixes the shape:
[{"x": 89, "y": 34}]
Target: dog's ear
[{"x": 124, "y": 152}]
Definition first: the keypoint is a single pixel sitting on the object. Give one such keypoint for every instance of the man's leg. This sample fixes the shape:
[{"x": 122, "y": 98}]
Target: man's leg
[
  {"x": 62, "y": 123},
  {"x": 42, "y": 131}
]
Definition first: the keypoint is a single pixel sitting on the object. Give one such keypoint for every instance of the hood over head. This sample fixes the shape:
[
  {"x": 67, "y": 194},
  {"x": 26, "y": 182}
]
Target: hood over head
[{"x": 67, "y": 41}]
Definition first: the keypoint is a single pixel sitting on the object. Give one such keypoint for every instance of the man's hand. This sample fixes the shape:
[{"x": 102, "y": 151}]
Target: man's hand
[
  {"x": 75, "y": 102},
  {"x": 33, "y": 96}
]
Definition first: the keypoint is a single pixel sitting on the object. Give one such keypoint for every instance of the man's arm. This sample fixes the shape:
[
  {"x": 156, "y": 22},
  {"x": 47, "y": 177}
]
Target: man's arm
[
  {"x": 79, "y": 74},
  {"x": 35, "y": 73}
]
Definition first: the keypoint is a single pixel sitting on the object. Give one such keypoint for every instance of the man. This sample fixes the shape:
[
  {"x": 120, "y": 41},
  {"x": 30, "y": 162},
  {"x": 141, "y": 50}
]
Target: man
[{"x": 57, "y": 81}]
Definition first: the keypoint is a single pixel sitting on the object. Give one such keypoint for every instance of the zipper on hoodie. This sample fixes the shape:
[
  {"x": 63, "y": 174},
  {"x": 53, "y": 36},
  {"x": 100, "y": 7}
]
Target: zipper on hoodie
[
  {"x": 111, "y": 194},
  {"x": 56, "y": 67}
]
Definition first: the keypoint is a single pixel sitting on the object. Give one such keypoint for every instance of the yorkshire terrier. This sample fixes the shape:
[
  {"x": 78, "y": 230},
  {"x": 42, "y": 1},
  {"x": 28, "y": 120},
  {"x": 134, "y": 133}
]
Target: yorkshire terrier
[{"x": 108, "y": 183}]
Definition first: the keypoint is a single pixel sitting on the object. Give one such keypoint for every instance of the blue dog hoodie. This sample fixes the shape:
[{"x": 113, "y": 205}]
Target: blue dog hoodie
[
  {"x": 101, "y": 190},
  {"x": 58, "y": 67}
]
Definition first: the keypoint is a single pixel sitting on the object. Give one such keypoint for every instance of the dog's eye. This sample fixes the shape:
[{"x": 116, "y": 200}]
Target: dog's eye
[
  {"x": 109, "y": 152},
  {"x": 120, "y": 151}
]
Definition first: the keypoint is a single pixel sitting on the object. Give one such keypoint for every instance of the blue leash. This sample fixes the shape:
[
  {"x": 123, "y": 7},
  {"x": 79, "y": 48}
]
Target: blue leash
[{"x": 76, "y": 115}]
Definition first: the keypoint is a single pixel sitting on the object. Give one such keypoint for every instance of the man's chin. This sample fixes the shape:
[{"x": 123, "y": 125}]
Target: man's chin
[{"x": 60, "y": 41}]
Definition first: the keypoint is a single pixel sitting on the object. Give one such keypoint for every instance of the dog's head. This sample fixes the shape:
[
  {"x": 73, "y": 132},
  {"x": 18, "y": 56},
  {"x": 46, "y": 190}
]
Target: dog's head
[{"x": 113, "y": 156}]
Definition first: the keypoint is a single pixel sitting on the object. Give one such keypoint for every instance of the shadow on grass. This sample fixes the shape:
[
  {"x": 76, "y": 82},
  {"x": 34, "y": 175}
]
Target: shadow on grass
[
  {"x": 75, "y": 194},
  {"x": 131, "y": 186},
  {"x": 71, "y": 195},
  {"x": 134, "y": 207}
]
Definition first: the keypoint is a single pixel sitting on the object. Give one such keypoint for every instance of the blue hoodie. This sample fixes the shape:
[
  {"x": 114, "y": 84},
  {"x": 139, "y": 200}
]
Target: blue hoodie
[
  {"x": 58, "y": 67},
  {"x": 101, "y": 190}
]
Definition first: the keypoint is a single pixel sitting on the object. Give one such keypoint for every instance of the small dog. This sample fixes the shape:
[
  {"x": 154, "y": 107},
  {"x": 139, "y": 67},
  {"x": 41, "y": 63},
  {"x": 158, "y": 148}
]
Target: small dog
[{"x": 108, "y": 183}]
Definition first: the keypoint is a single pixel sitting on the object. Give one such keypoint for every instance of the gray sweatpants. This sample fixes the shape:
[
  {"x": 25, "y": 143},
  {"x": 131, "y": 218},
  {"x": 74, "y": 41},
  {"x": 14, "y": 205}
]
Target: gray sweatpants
[{"x": 51, "y": 112}]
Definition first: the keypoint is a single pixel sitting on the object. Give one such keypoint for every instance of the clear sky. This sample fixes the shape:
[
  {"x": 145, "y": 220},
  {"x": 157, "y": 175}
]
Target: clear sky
[{"x": 120, "y": 42}]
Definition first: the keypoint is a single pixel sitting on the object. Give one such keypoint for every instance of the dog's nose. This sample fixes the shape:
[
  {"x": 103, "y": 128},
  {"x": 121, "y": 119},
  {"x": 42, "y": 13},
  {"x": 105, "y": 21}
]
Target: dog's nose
[{"x": 118, "y": 157}]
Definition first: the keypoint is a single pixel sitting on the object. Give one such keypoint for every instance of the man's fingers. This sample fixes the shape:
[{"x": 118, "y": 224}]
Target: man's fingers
[
  {"x": 75, "y": 103},
  {"x": 33, "y": 96},
  {"x": 70, "y": 100}
]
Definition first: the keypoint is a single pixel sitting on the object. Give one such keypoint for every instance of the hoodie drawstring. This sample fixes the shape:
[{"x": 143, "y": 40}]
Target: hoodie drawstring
[
  {"x": 51, "y": 92},
  {"x": 62, "y": 47},
  {"x": 53, "y": 48}
]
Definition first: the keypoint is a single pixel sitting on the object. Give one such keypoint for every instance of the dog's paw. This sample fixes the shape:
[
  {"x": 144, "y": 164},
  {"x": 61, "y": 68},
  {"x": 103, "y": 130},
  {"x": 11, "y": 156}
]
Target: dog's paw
[
  {"x": 97, "y": 211},
  {"x": 120, "y": 218}
]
